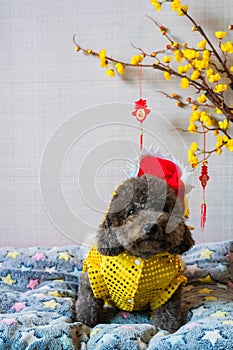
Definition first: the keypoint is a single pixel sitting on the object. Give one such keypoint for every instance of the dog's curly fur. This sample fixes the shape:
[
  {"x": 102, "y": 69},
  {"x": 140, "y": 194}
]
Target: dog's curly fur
[{"x": 145, "y": 218}]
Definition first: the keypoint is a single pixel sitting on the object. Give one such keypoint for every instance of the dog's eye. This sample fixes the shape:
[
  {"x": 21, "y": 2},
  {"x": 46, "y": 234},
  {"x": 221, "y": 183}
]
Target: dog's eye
[{"x": 131, "y": 212}]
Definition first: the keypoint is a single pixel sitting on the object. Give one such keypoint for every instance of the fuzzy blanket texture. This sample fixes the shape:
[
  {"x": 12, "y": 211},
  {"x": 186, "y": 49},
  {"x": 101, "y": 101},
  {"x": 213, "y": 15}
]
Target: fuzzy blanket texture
[{"x": 38, "y": 289}]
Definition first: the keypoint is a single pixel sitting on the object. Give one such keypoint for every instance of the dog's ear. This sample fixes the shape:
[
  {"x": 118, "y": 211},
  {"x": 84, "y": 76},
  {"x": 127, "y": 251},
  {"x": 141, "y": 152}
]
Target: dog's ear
[
  {"x": 107, "y": 243},
  {"x": 187, "y": 242}
]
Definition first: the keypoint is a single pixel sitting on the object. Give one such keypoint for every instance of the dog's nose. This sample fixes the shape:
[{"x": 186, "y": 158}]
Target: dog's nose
[{"x": 150, "y": 229}]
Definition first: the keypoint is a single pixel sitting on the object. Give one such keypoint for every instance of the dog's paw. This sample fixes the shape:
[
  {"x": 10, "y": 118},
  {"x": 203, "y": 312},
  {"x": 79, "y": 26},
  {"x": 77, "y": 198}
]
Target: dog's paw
[{"x": 88, "y": 311}]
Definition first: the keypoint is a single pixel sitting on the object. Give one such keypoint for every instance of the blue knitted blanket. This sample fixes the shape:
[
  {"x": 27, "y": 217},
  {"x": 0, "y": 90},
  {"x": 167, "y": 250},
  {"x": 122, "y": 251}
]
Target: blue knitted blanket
[{"x": 38, "y": 289}]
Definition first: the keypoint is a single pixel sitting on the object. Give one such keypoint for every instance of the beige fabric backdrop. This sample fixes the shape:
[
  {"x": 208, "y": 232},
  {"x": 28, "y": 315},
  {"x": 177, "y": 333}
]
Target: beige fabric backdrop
[{"x": 66, "y": 128}]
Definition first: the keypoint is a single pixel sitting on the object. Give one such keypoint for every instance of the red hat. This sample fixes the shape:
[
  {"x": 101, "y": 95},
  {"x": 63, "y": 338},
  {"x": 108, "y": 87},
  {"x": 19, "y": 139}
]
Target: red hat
[
  {"x": 176, "y": 174},
  {"x": 163, "y": 169}
]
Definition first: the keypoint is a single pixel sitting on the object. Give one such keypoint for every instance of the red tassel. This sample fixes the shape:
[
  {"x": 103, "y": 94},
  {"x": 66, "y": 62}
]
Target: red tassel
[
  {"x": 203, "y": 214},
  {"x": 141, "y": 138},
  {"x": 204, "y": 178}
]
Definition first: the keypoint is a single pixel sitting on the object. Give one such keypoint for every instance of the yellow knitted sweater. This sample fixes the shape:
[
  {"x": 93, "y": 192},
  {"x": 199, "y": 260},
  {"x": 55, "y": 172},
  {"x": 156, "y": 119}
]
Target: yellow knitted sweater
[{"x": 132, "y": 283}]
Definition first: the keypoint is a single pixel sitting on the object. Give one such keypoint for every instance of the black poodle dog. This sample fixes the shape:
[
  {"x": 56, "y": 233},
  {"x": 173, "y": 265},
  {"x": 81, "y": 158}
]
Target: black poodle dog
[{"x": 135, "y": 264}]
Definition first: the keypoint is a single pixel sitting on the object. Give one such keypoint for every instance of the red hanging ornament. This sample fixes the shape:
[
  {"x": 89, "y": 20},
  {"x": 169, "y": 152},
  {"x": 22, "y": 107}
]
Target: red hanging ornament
[
  {"x": 204, "y": 178},
  {"x": 141, "y": 111}
]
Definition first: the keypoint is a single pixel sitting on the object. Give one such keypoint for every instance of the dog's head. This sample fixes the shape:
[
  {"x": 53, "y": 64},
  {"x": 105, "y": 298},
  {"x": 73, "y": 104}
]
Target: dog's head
[{"x": 145, "y": 218}]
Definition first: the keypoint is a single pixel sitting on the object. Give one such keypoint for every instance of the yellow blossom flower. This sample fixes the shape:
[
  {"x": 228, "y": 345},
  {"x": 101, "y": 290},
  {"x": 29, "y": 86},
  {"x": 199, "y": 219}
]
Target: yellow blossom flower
[
  {"x": 220, "y": 141},
  {"x": 175, "y": 4},
  {"x": 120, "y": 68},
  {"x": 194, "y": 146},
  {"x": 192, "y": 128},
  {"x": 201, "y": 64},
  {"x": 224, "y": 125},
  {"x": 220, "y": 35},
  {"x": 192, "y": 158},
  {"x": 205, "y": 118},
  {"x": 102, "y": 56},
  {"x": 110, "y": 72},
  {"x": 190, "y": 54},
  {"x": 202, "y": 44},
  {"x": 231, "y": 68},
  {"x": 218, "y": 111},
  {"x": 184, "y": 83},
  {"x": 136, "y": 59},
  {"x": 209, "y": 72},
  {"x": 206, "y": 55},
  {"x": 102, "y": 53},
  {"x": 157, "y": 5},
  {"x": 183, "y": 69},
  {"x": 218, "y": 151},
  {"x": 182, "y": 9},
  {"x": 214, "y": 78},
  {"x": 178, "y": 56},
  {"x": 217, "y": 77},
  {"x": 195, "y": 75},
  {"x": 220, "y": 88},
  {"x": 167, "y": 75},
  {"x": 167, "y": 59},
  {"x": 195, "y": 116},
  {"x": 229, "y": 145},
  {"x": 103, "y": 63},
  {"x": 228, "y": 47},
  {"x": 202, "y": 98},
  {"x": 210, "y": 122}
]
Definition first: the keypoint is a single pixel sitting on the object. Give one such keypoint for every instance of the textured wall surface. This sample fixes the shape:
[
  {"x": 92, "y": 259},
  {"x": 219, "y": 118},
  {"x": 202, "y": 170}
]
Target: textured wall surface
[{"x": 66, "y": 128}]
